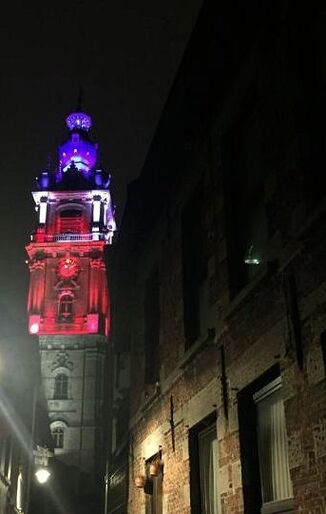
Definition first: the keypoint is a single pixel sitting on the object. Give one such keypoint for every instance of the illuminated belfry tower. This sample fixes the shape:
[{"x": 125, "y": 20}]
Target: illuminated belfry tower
[{"x": 68, "y": 301}]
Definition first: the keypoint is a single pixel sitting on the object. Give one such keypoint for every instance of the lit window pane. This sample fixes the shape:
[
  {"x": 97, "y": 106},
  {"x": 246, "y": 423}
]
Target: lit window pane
[
  {"x": 272, "y": 444},
  {"x": 61, "y": 387},
  {"x": 208, "y": 461},
  {"x": 58, "y": 437}
]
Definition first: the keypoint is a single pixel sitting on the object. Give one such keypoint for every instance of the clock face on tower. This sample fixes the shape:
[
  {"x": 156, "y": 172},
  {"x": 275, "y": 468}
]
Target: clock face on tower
[{"x": 68, "y": 268}]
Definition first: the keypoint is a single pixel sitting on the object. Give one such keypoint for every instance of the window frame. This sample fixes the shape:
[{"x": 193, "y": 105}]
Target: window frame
[
  {"x": 61, "y": 383},
  {"x": 246, "y": 237},
  {"x": 71, "y": 219},
  {"x": 58, "y": 436},
  {"x": 194, "y": 264},
  {"x": 66, "y": 315},
  {"x": 248, "y": 435},
  {"x": 277, "y": 505},
  {"x": 154, "y": 488},
  {"x": 206, "y": 425}
]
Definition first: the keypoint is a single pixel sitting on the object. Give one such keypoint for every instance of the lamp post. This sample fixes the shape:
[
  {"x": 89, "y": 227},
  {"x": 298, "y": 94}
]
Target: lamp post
[
  {"x": 41, "y": 461},
  {"x": 42, "y": 475}
]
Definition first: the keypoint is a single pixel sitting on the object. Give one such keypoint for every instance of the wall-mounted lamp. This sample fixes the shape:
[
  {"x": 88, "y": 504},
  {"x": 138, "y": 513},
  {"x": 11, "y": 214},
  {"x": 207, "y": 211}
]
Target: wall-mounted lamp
[
  {"x": 154, "y": 468},
  {"x": 156, "y": 464},
  {"x": 250, "y": 258},
  {"x": 140, "y": 481}
]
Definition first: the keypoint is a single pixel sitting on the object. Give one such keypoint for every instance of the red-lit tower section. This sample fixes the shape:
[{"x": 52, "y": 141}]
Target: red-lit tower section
[
  {"x": 68, "y": 292},
  {"x": 68, "y": 301}
]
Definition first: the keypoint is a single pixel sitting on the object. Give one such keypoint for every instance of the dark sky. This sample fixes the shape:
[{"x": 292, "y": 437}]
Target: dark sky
[{"x": 123, "y": 53}]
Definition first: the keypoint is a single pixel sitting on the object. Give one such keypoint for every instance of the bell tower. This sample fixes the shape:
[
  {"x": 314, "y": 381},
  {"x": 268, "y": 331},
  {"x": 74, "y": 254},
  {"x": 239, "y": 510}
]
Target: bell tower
[{"x": 68, "y": 301}]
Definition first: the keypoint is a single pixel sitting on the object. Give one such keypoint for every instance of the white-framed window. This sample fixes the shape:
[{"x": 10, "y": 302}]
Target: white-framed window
[
  {"x": 276, "y": 485},
  {"x": 58, "y": 434},
  {"x": 203, "y": 455},
  {"x": 208, "y": 472}
]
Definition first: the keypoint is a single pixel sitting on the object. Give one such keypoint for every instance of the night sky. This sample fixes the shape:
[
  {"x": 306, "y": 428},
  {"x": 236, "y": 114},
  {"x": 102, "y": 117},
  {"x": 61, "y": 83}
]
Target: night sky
[{"x": 123, "y": 54}]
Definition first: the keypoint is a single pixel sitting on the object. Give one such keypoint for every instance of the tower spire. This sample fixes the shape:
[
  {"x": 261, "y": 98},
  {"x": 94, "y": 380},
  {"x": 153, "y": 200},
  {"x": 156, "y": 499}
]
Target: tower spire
[{"x": 80, "y": 99}]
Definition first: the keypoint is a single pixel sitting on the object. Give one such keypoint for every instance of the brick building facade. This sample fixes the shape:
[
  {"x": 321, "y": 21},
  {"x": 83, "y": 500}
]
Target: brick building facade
[{"x": 219, "y": 346}]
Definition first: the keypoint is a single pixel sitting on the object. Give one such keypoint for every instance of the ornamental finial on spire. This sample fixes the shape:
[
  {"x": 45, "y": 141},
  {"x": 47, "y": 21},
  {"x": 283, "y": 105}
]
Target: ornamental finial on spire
[
  {"x": 80, "y": 99},
  {"x": 79, "y": 120}
]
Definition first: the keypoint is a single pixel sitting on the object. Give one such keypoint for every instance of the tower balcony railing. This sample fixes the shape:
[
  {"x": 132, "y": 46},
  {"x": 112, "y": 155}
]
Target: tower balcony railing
[{"x": 53, "y": 238}]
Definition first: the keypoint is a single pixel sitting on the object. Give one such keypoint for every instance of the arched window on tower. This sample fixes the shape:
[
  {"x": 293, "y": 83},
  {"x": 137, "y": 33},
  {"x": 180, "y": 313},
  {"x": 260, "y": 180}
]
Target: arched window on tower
[
  {"x": 58, "y": 436},
  {"x": 71, "y": 220},
  {"x": 65, "y": 311},
  {"x": 61, "y": 387}
]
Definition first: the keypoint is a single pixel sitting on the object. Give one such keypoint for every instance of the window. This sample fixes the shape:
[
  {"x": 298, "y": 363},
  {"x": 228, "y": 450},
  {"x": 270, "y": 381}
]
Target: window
[
  {"x": 204, "y": 467},
  {"x": 152, "y": 329},
  {"x": 194, "y": 266},
  {"x": 266, "y": 479},
  {"x": 153, "y": 487},
  {"x": 58, "y": 436},
  {"x": 272, "y": 445},
  {"x": 20, "y": 492},
  {"x": 71, "y": 219},
  {"x": 244, "y": 169},
  {"x": 65, "y": 314},
  {"x": 61, "y": 387}
]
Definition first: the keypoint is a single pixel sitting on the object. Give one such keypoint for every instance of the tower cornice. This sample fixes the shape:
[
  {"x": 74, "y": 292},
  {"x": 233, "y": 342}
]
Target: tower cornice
[{"x": 61, "y": 248}]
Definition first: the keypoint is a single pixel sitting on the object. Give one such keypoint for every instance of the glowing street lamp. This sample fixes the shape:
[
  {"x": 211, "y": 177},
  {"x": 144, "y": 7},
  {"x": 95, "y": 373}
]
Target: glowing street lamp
[
  {"x": 250, "y": 258},
  {"x": 41, "y": 460},
  {"x": 42, "y": 475}
]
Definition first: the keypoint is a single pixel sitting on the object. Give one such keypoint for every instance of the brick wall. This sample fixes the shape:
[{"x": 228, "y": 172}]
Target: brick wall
[{"x": 273, "y": 320}]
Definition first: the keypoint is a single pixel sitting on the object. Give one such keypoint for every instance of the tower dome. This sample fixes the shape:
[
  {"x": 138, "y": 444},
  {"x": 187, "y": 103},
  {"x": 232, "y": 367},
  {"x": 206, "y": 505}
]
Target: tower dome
[
  {"x": 79, "y": 151},
  {"x": 77, "y": 166}
]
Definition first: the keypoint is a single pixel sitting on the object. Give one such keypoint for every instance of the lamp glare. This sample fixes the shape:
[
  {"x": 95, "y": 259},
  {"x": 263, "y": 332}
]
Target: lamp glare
[{"x": 42, "y": 475}]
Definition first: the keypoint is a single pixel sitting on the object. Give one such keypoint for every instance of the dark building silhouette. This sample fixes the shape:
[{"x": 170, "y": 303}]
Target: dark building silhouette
[
  {"x": 19, "y": 379},
  {"x": 218, "y": 397}
]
